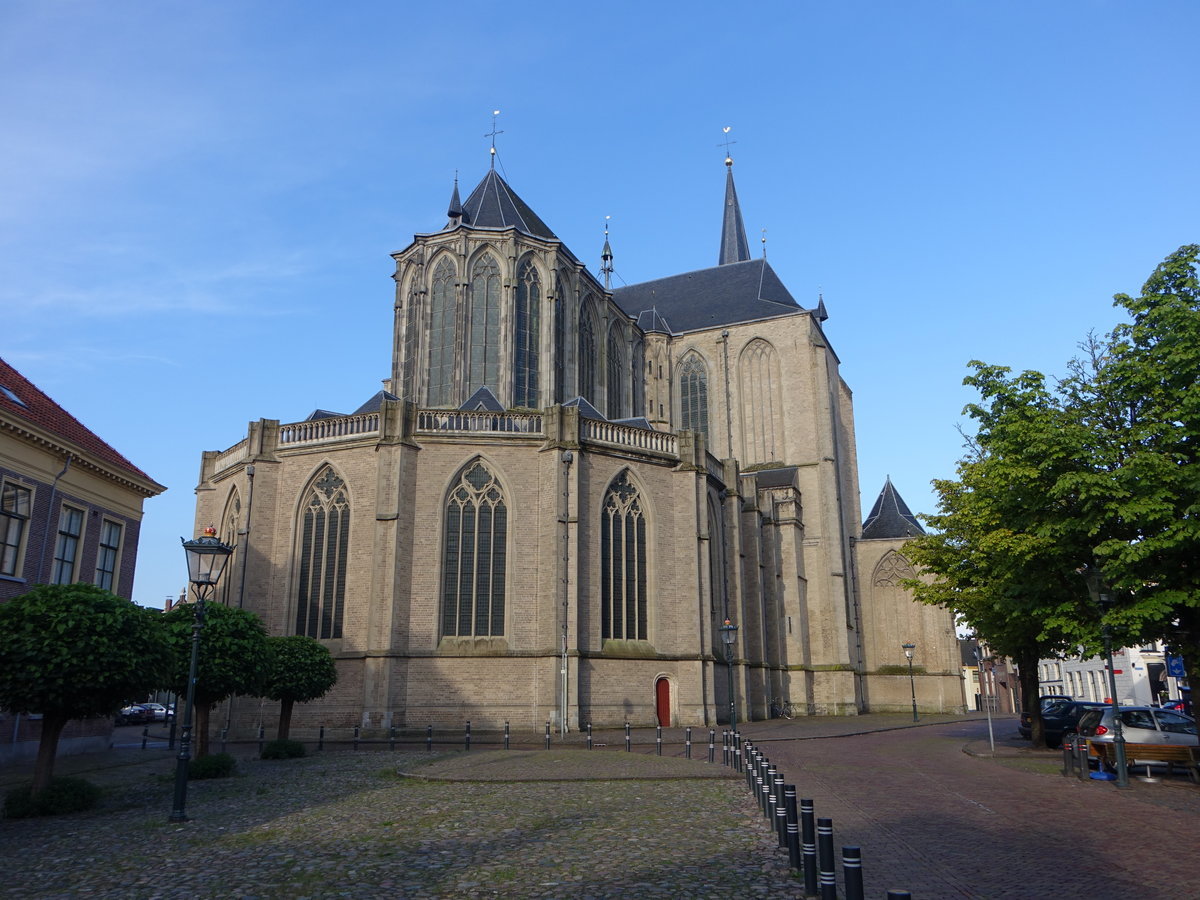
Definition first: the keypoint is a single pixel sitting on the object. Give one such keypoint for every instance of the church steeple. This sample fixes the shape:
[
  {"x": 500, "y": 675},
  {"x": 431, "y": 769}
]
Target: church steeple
[
  {"x": 734, "y": 247},
  {"x": 455, "y": 212}
]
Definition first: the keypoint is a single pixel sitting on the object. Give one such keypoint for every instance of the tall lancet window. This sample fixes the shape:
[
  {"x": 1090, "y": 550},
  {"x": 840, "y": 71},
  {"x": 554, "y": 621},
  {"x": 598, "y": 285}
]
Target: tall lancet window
[
  {"x": 483, "y": 352},
  {"x": 441, "y": 335},
  {"x": 616, "y": 375},
  {"x": 587, "y": 353},
  {"x": 474, "y": 556},
  {"x": 230, "y": 533},
  {"x": 408, "y": 387},
  {"x": 623, "y": 605},
  {"x": 527, "y": 344},
  {"x": 560, "y": 340},
  {"x": 693, "y": 395},
  {"x": 762, "y": 406},
  {"x": 324, "y": 543}
]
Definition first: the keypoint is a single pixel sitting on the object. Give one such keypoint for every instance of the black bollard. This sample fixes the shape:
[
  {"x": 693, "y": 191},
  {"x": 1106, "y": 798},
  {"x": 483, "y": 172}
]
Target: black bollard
[
  {"x": 589, "y": 735},
  {"x": 751, "y": 752},
  {"x": 171, "y": 735},
  {"x": 738, "y": 759},
  {"x": 1068, "y": 754},
  {"x": 505, "y": 735},
  {"x": 392, "y": 737},
  {"x": 760, "y": 785},
  {"x": 687, "y": 743},
  {"x": 146, "y": 736},
  {"x": 628, "y": 739},
  {"x": 725, "y": 757},
  {"x": 808, "y": 846},
  {"x": 321, "y": 738},
  {"x": 780, "y": 811},
  {"x": 467, "y": 737},
  {"x": 712, "y": 745},
  {"x": 827, "y": 876},
  {"x": 852, "y": 872},
  {"x": 1081, "y": 759},
  {"x": 429, "y": 738},
  {"x": 225, "y": 737},
  {"x": 658, "y": 741},
  {"x": 793, "y": 827},
  {"x": 261, "y": 734},
  {"x": 770, "y": 785},
  {"x": 547, "y": 734}
]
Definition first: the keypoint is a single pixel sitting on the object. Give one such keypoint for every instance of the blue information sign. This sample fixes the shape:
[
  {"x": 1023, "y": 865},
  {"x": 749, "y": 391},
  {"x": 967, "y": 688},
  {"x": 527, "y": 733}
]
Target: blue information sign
[{"x": 1175, "y": 667}]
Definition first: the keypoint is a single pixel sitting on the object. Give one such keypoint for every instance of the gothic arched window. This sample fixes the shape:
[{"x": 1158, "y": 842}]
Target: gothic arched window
[
  {"x": 229, "y": 533},
  {"x": 409, "y": 377},
  {"x": 324, "y": 541},
  {"x": 616, "y": 375},
  {"x": 693, "y": 395},
  {"x": 483, "y": 352},
  {"x": 442, "y": 335},
  {"x": 587, "y": 353},
  {"x": 560, "y": 339},
  {"x": 623, "y": 606},
  {"x": 762, "y": 408},
  {"x": 638, "y": 370},
  {"x": 892, "y": 570},
  {"x": 474, "y": 558},
  {"x": 528, "y": 333}
]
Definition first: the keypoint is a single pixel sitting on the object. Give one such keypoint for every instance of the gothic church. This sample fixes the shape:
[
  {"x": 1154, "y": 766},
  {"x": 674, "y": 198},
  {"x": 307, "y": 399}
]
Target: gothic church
[{"x": 576, "y": 504}]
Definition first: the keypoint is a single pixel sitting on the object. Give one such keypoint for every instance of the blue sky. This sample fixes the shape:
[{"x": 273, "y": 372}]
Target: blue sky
[{"x": 198, "y": 200}]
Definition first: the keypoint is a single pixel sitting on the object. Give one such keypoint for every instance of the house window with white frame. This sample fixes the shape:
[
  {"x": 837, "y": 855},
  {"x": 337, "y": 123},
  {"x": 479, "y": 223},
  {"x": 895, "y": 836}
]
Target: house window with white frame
[
  {"x": 14, "y": 524},
  {"x": 108, "y": 554},
  {"x": 66, "y": 548}
]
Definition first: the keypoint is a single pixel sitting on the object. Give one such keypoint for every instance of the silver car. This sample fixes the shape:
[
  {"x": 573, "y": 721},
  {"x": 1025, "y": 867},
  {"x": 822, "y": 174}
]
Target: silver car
[{"x": 1139, "y": 725}]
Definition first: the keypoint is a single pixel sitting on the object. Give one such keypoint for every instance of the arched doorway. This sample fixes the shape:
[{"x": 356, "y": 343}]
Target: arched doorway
[{"x": 662, "y": 701}]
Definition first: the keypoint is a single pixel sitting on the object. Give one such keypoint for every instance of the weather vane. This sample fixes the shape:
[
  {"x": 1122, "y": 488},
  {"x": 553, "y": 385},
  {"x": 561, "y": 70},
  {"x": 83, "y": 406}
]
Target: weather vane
[
  {"x": 727, "y": 142},
  {"x": 492, "y": 134}
]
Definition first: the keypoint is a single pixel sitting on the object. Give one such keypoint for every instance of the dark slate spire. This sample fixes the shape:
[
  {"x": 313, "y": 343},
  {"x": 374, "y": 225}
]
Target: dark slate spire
[
  {"x": 890, "y": 517},
  {"x": 455, "y": 212},
  {"x": 493, "y": 204},
  {"x": 734, "y": 247},
  {"x": 606, "y": 258}
]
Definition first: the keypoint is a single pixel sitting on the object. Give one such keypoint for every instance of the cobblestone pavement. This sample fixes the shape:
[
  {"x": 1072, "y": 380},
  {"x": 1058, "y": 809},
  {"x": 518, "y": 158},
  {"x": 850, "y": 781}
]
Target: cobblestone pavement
[{"x": 929, "y": 817}]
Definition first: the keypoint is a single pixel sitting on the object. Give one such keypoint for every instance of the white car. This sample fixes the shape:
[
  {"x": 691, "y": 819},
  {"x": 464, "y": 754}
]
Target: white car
[{"x": 159, "y": 711}]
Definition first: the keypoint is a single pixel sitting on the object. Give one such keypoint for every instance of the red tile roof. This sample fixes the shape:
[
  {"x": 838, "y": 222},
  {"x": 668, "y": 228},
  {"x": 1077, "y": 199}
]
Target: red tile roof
[{"x": 36, "y": 408}]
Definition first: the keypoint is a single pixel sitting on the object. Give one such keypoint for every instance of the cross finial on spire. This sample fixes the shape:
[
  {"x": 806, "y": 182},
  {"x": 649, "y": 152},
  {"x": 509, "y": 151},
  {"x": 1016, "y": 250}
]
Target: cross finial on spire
[
  {"x": 726, "y": 143},
  {"x": 606, "y": 257},
  {"x": 492, "y": 134},
  {"x": 764, "y": 243}
]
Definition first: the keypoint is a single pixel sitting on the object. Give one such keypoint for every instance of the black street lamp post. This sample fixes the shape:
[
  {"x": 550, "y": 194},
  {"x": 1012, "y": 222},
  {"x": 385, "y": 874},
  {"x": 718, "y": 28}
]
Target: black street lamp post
[
  {"x": 1102, "y": 597},
  {"x": 912, "y": 683},
  {"x": 728, "y": 636},
  {"x": 206, "y": 558}
]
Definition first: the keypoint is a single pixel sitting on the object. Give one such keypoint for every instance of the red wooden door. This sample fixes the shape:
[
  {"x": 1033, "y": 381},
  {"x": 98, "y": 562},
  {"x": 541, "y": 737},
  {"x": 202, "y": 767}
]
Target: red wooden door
[{"x": 662, "y": 701}]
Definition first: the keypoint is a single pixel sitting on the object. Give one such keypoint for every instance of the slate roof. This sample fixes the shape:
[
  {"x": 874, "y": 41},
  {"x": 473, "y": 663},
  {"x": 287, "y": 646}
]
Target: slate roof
[
  {"x": 734, "y": 247},
  {"x": 483, "y": 400},
  {"x": 587, "y": 410},
  {"x": 21, "y": 400},
  {"x": 493, "y": 204},
  {"x": 723, "y": 295},
  {"x": 890, "y": 517},
  {"x": 775, "y": 478}
]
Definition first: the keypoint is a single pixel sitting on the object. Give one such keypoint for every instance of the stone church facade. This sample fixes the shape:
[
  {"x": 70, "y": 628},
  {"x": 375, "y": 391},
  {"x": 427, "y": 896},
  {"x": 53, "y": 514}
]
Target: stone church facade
[{"x": 565, "y": 491}]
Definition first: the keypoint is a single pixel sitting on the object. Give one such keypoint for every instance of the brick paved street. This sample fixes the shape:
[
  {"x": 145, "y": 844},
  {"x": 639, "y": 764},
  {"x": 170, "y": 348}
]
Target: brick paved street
[
  {"x": 945, "y": 824},
  {"x": 929, "y": 817}
]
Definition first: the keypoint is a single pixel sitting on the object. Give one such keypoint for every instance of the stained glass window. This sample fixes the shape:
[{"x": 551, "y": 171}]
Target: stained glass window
[
  {"x": 616, "y": 376},
  {"x": 527, "y": 344},
  {"x": 587, "y": 353},
  {"x": 474, "y": 557},
  {"x": 483, "y": 352},
  {"x": 441, "y": 335},
  {"x": 324, "y": 542},
  {"x": 693, "y": 395},
  {"x": 622, "y": 563}
]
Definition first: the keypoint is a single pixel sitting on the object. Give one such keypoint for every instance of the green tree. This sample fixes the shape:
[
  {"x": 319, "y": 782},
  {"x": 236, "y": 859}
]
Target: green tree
[
  {"x": 75, "y": 651},
  {"x": 1004, "y": 545},
  {"x": 235, "y": 658},
  {"x": 302, "y": 669},
  {"x": 1141, "y": 491}
]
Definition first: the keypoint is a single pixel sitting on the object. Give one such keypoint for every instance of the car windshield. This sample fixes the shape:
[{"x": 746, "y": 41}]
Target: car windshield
[{"x": 1169, "y": 721}]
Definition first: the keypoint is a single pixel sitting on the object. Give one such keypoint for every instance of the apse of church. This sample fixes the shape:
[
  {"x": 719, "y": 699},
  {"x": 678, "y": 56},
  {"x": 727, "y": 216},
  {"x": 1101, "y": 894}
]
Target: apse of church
[{"x": 565, "y": 490}]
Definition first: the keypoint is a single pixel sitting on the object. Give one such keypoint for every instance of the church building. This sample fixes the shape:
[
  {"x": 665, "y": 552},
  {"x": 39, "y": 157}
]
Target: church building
[{"x": 578, "y": 504}]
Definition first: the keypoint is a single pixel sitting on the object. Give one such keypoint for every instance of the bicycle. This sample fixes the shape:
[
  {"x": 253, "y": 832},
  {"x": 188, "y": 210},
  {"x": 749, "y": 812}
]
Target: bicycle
[{"x": 781, "y": 709}]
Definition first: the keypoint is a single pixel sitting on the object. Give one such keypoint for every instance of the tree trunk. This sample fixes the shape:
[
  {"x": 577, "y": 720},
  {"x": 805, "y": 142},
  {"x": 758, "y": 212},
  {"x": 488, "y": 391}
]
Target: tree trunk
[
  {"x": 200, "y": 736},
  {"x": 1027, "y": 662},
  {"x": 43, "y": 770},
  {"x": 285, "y": 719}
]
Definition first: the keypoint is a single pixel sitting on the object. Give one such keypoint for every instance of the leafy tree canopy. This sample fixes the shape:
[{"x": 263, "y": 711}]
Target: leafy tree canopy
[
  {"x": 302, "y": 669},
  {"x": 234, "y": 657},
  {"x": 78, "y": 650}
]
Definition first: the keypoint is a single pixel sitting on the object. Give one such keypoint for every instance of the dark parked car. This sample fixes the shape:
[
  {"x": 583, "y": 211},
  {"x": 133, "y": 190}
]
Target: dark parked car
[
  {"x": 135, "y": 714},
  {"x": 1059, "y": 714}
]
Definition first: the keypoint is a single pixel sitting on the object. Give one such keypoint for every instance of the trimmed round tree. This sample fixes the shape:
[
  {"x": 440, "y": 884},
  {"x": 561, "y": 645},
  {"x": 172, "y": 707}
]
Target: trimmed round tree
[
  {"x": 74, "y": 651},
  {"x": 302, "y": 669},
  {"x": 235, "y": 658}
]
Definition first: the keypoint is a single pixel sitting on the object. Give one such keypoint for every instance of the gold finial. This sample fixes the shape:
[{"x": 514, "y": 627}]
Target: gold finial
[
  {"x": 726, "y": 143},
  {"x": 492, "y": 134}
]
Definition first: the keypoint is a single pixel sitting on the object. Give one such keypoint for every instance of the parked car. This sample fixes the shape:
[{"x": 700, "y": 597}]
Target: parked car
[
  {"x": 157, "y": 710},
  {"x": 1139, "y": 725},
  {"x": 1060, "y": 718},
  {"x": 134, "y": 714},
  {"x": 1025, "y": 726}
]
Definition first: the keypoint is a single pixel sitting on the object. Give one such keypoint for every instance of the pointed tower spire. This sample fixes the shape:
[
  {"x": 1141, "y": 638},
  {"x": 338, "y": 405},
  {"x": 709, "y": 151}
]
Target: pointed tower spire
[
  {"x": 734, "y": 246},
  {"x": 890, "y": 517},
  {"x": 455, "y": 212},
  {"x": 606, "y": 257}
]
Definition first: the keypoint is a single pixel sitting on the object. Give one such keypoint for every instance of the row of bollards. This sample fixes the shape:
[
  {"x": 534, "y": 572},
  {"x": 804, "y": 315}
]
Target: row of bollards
[{"x": 807, "y": 839}]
